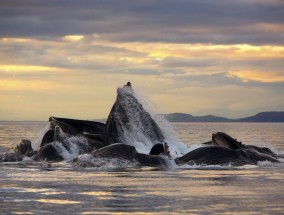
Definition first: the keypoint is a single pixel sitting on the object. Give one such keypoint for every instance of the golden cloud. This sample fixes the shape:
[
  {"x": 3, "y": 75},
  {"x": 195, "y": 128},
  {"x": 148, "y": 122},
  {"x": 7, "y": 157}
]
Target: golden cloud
[
  {"x": 259, "y": 76},
  {"x": 235, "y": 51},
  {"x": 26, "y": 85},
  {"x": 29, "y": 69},
  {"x": 73, "y": 38}
]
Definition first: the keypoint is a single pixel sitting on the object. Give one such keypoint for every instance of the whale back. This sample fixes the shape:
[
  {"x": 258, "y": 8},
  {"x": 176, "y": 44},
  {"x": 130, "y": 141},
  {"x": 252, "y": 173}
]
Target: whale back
[
  {"x": 129, "y": 153},
  {"x": 93, "y": 131},
  {"x": 117, "y": 150},
  {"x": 75, "y": 126},
  {"x": 216, "y": 155},
  {"x": 212, "y": 155}
]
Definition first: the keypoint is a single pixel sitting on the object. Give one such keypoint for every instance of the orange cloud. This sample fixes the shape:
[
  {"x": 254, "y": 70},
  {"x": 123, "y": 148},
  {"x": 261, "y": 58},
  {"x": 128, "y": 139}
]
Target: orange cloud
[
  {"x": 265, "y": 77},
  {"x": 29, "y": 69},
  {"x": 73, "y": 38},
  {"x": 236, "y": 51},
  {"x": 25, "y": 85}
]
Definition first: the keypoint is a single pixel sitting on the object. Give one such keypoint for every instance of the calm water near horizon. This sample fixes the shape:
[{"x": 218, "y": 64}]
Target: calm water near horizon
[{"x": 32, "y": 188}]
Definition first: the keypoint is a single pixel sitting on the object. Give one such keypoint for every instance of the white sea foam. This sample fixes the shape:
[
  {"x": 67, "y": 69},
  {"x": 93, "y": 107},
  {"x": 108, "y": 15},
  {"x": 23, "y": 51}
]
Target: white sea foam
[
  {"x": 270, "y": 164},
  {"x": 27, "y": 159},
  {"x": 73, "y": 150},
  {"x": 85, "y": 158},
  {"x": 88, "y": 160}
]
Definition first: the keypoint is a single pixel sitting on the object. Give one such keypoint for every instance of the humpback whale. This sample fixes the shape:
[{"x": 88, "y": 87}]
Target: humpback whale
[
  {"x": 227, "y": 150},
  {"x": 129, "y": 153},
  {"x": 224, "y": 140},
  {"x": 93, "y": 131},
  {"x": 213, "y": 155},
  {"x": 128, "y": 122}
]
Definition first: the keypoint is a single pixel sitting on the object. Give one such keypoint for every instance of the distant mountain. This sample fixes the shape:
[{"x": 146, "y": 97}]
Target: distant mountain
[
  {"x": 260, "y": 117},
  {"x": 183, "y": 117},
  {"x": 264, "y": 117}
]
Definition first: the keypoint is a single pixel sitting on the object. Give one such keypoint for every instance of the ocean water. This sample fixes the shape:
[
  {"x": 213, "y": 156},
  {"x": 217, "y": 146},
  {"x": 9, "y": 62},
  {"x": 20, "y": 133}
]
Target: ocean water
[{"x": 62, "y": 188}]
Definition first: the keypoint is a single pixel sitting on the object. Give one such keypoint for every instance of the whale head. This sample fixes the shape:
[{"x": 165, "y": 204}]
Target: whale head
[
  {"x": 224, "y": 140},
  {"x": 129, "y": 122}
]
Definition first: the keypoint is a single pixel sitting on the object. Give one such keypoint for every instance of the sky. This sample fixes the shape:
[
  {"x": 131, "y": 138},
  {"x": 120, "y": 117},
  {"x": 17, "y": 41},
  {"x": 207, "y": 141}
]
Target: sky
[{"x": 66, "y": 58}]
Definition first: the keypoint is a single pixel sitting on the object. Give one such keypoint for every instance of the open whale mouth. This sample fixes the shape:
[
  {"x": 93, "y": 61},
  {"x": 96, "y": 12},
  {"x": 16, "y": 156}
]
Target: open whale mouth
[
  {"x": 224, "y": 140},
  {"x": 219, "y": 140}
]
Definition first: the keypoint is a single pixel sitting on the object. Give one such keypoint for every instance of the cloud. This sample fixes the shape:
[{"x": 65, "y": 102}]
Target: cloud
[
  {"x": 183, "y": 63},
  {"x": 259, "y": 76},
  {"x": 185, "y": 21},
  {"x": 67, "y": 57},
  {"x": 17, "y": 69},
  {"x": 73, "y": 38},
  {"x": 96, "y": 55}
]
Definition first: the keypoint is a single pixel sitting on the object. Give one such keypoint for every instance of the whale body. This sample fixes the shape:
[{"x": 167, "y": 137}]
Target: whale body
[
  {"x": 129, "y": 153},
  {"x": 227, "y": 150}
]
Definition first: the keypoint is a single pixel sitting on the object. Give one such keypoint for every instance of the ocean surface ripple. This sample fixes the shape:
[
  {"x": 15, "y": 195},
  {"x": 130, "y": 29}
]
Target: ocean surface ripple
[{"x": 29, "y": 187}]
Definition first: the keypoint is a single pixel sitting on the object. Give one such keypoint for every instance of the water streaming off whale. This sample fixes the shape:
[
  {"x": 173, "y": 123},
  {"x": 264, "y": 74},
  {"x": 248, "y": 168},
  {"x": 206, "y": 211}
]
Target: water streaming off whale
[{"x": 140, "y": 125}]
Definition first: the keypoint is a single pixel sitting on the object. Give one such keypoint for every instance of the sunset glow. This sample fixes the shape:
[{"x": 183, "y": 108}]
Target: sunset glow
[
  {"x": 182, "y": 66},
  {"x": 73, "y": 38}
]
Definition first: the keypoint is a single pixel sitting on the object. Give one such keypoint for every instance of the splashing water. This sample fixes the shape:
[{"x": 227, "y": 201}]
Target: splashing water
[
  {"x": 73, "y": 142},
  {"x": 177, "y": 147},
  {"x": 87, "y": 160},
  {"x": 133, "y": 125},
  {"x": 141, "y": 138},
  {"x": 37, "y": 141}
]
